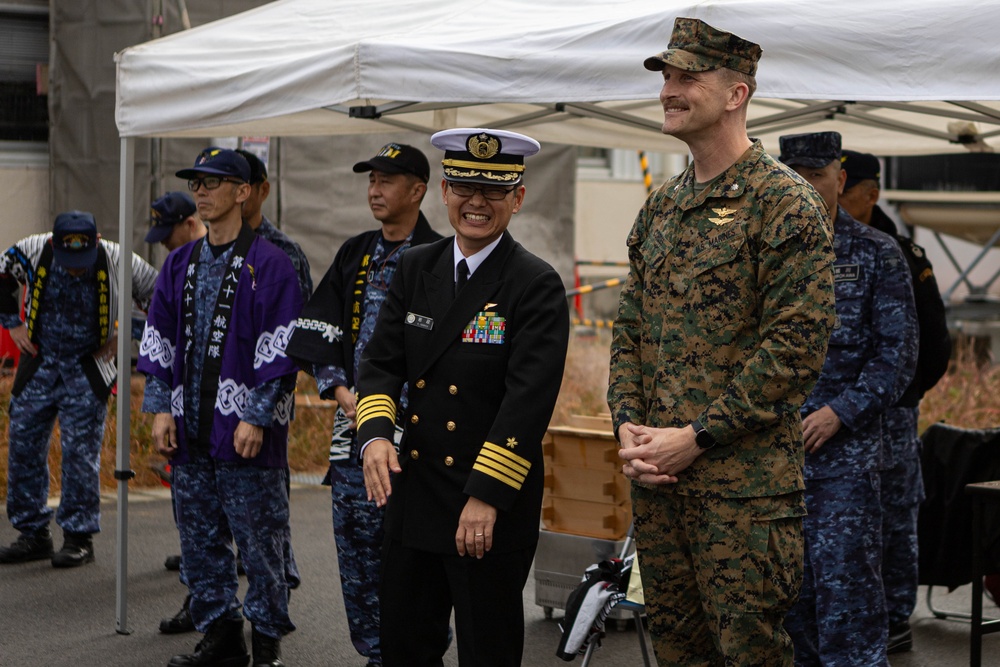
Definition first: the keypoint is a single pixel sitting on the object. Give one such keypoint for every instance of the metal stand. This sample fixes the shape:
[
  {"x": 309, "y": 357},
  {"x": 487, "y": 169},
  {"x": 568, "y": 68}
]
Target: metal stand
[{"x": 637, "y": 611}]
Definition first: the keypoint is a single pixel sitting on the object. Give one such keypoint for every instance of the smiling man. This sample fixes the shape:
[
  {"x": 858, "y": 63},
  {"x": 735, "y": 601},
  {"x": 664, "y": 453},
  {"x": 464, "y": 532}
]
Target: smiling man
[
  {"x": 721, "y": 331},
  {"x": 332, "y": 332},
  {"x": 477, "y": 326}
]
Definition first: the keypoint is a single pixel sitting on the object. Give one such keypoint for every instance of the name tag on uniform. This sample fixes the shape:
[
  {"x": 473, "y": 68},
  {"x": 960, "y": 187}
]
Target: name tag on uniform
[
  {"x": 420, "y": 321},
  {"x": 486, "y": 327},
  {"x": 846, "y": 272}
]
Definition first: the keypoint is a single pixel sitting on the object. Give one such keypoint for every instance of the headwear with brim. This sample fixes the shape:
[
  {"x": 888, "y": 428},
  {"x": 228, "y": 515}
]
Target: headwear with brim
[
  {"x": 396, "y": 158},
  {"x": 480, "y": 155},
  {"x": 696, "y": 46},
  {"x": 859, "y": 167},
  {"x": 167, "y": 212},
  {"x": 218, "y": 162},
  {"x": 258, "y": 170},
  {"x": 812, "y": 149},
  {"x": 74, "y": 240}
]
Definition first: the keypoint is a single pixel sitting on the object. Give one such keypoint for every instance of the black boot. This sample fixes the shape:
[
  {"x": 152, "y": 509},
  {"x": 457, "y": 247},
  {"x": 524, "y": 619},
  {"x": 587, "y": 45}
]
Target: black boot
[
  {"x": 28, "y": 547},
  {"x": 78, "y": 548},
  {"x": 223, "y": 646},
  {"x": 266, "y": 650},
  {"x": 900, "y": 638},
  {"x": 181, "y": 621},
  {"x": 173, "y": 563}
]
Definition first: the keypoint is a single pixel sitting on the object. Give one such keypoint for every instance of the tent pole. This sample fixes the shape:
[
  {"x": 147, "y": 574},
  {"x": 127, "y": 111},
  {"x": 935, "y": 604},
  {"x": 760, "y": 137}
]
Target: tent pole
[{"x": 123, "y": 472}]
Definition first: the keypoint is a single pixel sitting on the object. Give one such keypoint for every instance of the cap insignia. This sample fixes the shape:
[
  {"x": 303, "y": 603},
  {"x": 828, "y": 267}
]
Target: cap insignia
[
  {"x": 483, "y": 146},
  {"x": 76, "y": 241}
]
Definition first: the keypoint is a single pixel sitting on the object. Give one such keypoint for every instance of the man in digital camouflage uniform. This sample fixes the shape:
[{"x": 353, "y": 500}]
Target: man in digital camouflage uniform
[
  {"x": 332, "y": 332},
  {"x": 902, "y": 479},
  {"x": 222, "y": 391},
  {"x": 840, "y": 617},
  {"x": 721, "y": 332},
  {"x": 68, "y": 341}
]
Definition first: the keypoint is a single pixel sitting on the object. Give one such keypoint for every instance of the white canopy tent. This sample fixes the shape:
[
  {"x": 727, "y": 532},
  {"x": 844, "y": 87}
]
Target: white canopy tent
[
  {"x": 888, "y": 80},
  {"x": 892, "y": 80}
]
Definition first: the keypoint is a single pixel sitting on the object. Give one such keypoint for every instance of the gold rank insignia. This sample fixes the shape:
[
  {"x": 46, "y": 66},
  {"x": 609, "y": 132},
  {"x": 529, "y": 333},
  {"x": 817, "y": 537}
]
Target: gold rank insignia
[
  {"x": 725, "y": 215},
  {"x": 511, "y": 443}
]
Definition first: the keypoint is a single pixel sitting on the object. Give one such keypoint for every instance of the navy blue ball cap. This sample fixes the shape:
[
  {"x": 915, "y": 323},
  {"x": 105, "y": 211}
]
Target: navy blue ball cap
[
  {"x": 74, "y": 239},
  {"x": 166, "y": 212},
  {"x": 859, "y": 167},
  {"x": 812, "y": 149},
  {"x": 258, "y": 170},
  {"x": 219, "y": 162},
  {"x": 396, "y": 158}
]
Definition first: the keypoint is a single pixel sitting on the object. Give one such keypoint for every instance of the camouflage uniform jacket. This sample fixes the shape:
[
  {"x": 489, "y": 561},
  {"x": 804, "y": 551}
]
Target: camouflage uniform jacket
[
  {"x": 873, "y": 349},
  {"x": 725, "y": 317}
]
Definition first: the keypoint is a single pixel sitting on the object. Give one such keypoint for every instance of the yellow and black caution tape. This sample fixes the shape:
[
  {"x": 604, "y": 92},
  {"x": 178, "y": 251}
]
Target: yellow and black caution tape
[{"x": 593, "y": 287}]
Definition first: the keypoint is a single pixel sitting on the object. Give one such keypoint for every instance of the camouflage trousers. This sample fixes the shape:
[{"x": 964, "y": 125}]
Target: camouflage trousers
[
  {"x": 840, "y": 618},
  {"x": 218, "y": 503},
  {"x": 718, "y": 575},
  {"x": 81, "y": 422},
  {"x": 900, "y": 553},
  {"x": 902, "y": 493},
  {"x": 357, "y": 529}
]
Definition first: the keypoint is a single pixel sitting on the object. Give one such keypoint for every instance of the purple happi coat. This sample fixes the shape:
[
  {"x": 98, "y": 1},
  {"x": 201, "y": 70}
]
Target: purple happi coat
[{"x": 266, "y": 305}]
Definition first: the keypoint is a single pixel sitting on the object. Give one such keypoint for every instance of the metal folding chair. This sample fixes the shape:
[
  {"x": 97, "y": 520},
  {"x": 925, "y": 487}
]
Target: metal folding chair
[{"x": 637, "y": 610}]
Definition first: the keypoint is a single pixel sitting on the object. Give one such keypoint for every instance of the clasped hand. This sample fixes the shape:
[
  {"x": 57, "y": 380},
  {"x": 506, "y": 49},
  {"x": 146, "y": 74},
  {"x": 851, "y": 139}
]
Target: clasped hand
[{"x": 656, "y": 455}]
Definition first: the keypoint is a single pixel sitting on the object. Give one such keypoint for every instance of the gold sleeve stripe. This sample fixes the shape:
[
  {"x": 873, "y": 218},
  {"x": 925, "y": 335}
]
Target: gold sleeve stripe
[
  {"x": 499, "y": 462},
  {"x": 377, "y": 405},
  {"x": 497, "y": 475},
  {"x": 506, "y": 453},
  {"x": 500, "y": 469},
  {"x": 467, "y": 164}
]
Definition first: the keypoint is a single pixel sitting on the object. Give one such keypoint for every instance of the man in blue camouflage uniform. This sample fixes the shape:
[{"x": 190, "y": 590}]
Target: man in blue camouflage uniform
[
  {"x": 902, "y": 479},
  {"x": 67, "y": 342},
  {"x": 721, "y": 331},
  {"x": 330, "y": 336},
  {"x": 840, "y": 617},
  {"x": 222, "y": 392}
]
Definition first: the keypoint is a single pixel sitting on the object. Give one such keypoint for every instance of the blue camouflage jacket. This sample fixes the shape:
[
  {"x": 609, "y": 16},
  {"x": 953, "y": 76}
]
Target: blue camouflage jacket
[{"x": 873, "y": 348}]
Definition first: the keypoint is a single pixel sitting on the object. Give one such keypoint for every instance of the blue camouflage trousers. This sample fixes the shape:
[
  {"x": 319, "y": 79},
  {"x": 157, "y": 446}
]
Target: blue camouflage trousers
[
  {"x": 357, "y": 529},
  {"x": 902, "y": 493},
  {"x": 218, "y": 503},
  {"x": 81, "y": 422},
  {"x": 840, "y": 618}
]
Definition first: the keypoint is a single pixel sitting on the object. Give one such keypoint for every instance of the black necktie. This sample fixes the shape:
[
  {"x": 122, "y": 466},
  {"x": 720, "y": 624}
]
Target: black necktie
[{"x": 463, "y": 275}]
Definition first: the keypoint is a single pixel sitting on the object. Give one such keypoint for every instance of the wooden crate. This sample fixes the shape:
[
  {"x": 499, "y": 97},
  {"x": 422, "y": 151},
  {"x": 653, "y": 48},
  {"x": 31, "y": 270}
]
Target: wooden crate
[
  {"x": 600, "y": 486},
  {"x": 581, "y": 517},
  {"x": 581, "y": 448}
]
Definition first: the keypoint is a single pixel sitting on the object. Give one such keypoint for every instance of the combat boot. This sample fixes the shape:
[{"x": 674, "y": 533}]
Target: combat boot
[
  {"x": 222, "y": 646},
  {"x": 180, "y": 622},
  {"x": 266, "y": 650},
  {"x": 28, "y": 547},
  {"x": 78, "y": 549}
]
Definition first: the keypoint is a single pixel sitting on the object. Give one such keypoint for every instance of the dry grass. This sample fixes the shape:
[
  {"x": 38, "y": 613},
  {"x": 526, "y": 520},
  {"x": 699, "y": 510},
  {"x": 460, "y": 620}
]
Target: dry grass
[
  {"x": 965, "y": 397},
  {"x": 308, "y": 448}
]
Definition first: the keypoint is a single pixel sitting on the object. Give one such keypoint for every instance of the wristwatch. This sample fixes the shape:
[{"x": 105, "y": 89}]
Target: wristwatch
[{"x": 702, "y": 438}]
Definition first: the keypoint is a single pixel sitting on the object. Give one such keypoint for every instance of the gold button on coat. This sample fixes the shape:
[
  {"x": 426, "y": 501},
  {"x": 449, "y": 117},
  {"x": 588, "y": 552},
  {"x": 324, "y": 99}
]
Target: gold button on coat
[
  {"x": 452, "y": 389},
  {"x": 448, "y": 461},
  {"x": 414, "y": 454},
  {"x": 414, "y": 419},
  {"x": 450, "y": 426},
  {"x": 421, "y": 384}
]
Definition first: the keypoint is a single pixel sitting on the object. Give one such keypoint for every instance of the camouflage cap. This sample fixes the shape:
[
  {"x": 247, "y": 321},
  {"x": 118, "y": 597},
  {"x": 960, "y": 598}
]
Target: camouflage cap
[
  {"x": 813, "y": 149},
  {"x": 696, "y": 46}
]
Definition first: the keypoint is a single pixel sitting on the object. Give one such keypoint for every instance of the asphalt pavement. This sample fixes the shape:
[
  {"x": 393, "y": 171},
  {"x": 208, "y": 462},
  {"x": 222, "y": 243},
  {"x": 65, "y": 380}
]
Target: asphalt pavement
[{"x": 56, "y": 618}]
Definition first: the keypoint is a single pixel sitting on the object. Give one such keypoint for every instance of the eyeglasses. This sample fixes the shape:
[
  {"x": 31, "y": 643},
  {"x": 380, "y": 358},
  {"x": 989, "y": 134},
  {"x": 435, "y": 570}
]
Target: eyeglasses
[
  {"x": 491, "y": 192},
  {"x": 210, "y": 182}
]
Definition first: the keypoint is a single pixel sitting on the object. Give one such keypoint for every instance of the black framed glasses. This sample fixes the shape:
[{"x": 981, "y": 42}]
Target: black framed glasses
[
  {"x": 210, "y": 182},
  {"x": 491, "y": 192}
]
